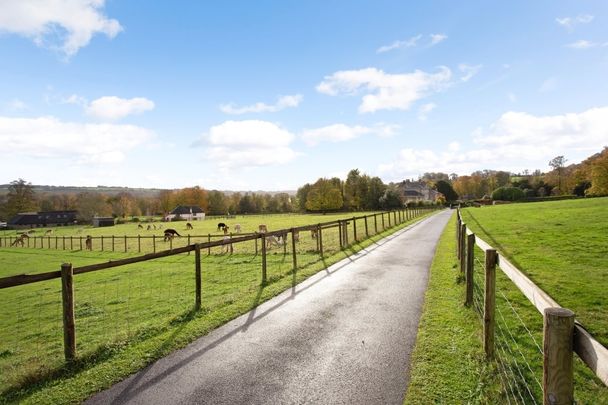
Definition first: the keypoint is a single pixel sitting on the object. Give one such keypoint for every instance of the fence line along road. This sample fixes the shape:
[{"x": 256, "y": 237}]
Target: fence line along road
[
  {"x": 67, "y": 272},
  {"x": 562, "y": 333}
]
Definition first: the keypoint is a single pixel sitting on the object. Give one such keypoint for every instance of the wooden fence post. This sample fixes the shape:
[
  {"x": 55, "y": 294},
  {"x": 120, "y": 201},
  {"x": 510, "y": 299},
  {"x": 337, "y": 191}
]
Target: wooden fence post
[
  {"x": 293, "y": 249},
  {"x": 558, "y": 336},
  {"x": 366, "y": 227},
  {"x": 56, "y": 242},
  {"x": 382, "y": 215},
  {"x": 197, "y": 276},
  {"x": 320, "y": 239},
  {"x": 80, "y": 241},
  {"x": 256, "y": 246},
  {"x": 209, "y": 248},
  {"x": 71, "y": 243},
  {"x": 345, "y": 233},
  {"x": 263, "y": 258},
  {"x": 340, "y": 234},
  {"x": 138, "y": 243},
  {"x": 489, "y": 303},
  {"x": 125, "y": 243},
  {"x": 355, "y": 229},
  {"x": 67, "y": 296},
  {"x": 458, "y": 240},
  {"x": 112, "y": 243},
  {"x": 463, "y": 254},
  {"x": 102, "y": 243},
  {"x": 375, "y": 224},
  {"x": 469, "y": 270},
  {"x": 154, "y": 243}
]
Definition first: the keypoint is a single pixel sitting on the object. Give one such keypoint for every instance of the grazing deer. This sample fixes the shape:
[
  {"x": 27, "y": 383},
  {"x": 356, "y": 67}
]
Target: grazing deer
[
  {"x": 88, "y": 243},
  {"x": 169, "y": 234},
  {"x": 237, "y": 228},
  {"x": 221, "y": 226},
  {"x": 313, "y": 233},
  {"x": 273, "y": 240},
  {"x": 48, "y": 232},
  {"x": 140, "y": 226},
  {"x": 20, "y": 240},
  {"x": 189, "y": 226},
  {"x": 262, "y": 228},
  {"x": 149, "y": 227},
  {"x": 227, "y": 245}
]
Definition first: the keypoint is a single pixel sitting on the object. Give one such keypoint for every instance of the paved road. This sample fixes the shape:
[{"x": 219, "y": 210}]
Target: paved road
[{"x": 343, "y": 336}]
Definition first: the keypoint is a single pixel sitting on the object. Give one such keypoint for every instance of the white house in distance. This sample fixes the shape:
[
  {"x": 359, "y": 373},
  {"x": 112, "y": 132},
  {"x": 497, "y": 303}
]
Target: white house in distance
[
  {"x": 187, "y": 212},
  {"x": 414, "y": 191}
]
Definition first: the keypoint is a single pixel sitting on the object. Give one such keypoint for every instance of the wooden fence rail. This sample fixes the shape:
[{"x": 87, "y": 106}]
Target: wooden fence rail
[
  {"x": 67, "y": 272},
  {"x": 558, "y": 334}
]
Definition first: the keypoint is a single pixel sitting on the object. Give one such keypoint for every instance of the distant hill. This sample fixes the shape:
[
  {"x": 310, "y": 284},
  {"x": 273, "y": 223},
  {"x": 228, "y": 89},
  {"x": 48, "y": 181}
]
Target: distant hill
[{"x": 113, "y": 190}]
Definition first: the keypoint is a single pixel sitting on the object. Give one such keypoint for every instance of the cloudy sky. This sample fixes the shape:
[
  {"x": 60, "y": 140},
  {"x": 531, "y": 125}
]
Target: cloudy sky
[{"x": 274, "y": 94}]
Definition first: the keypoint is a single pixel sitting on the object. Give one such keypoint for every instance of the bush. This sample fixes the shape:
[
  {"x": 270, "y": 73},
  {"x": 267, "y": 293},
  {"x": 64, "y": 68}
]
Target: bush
[{"x": 507, "y": 194}]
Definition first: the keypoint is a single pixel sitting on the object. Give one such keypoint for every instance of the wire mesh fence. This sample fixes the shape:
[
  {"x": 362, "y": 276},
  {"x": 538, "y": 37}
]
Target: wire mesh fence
[{"x": 123, "y": 304}]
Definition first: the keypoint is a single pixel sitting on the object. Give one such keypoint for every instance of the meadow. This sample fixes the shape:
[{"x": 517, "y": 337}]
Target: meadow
[
  {"x": 449, "y": 343},
  {"x": 128, "y": 316}
]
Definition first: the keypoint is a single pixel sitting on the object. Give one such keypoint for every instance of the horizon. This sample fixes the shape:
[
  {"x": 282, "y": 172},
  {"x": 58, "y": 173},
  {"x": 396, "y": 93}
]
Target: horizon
[{"x": 250, "y": 97}]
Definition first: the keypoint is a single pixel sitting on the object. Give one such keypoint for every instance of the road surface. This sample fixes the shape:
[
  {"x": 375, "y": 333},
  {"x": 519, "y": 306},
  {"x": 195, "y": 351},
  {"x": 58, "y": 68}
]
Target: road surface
[{"x": 343, "y": 336}]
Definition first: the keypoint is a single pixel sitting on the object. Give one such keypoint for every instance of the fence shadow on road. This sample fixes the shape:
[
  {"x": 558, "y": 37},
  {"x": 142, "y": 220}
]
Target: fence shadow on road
[{"x": 132, "y": 386}]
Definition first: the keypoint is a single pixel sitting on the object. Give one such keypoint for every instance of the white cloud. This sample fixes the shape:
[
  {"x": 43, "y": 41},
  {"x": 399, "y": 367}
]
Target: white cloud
[
  {"x": 581, "y": 44},
  {"x": 425, "y": 110},
  {"x": 468, "y": 71},
  {"x": 407, "y": 43},
  {"x": 341, "y": 133},
  {"x": 64, "y": 25},
  {"x": 437, "y": 38},
  {"x": 516, "y": 141},
  {"x": 48, "y": 137},
  {"x": 113, "y": 108},
  {"x": 249, "y": 143},
  {"x": 282, "y": 103},
  {"x": 385, "y": 91},
  {"x": 571, "y": 22},
  {"x": 74, "y": 99}
]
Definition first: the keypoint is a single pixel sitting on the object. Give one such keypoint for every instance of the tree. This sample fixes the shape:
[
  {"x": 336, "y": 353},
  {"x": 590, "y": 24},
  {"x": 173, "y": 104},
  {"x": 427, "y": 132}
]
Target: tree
[
  {"x": 375, "y": 190},
  {"x": 446, "y": 189},
  {"x": 558, "y": 163},
  {"x": 217, "y": 203},
  {"x": 324, "y": 195},
  {"x": 92, "y": 204},
  {"x": 20, "y": 198},
  {"x": 302, "y": 196},
  {"x": 247, "y": 205},
  {"x": 507, "y": 194},
  {"x": 599, "y": 175},
  {"x": 391, "y": 199}
]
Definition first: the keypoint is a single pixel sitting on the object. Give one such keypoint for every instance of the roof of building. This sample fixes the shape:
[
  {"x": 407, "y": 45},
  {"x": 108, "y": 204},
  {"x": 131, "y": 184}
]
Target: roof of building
[
  {"x": 43, "y": 218},
  {"x": 411, "y": 193},
  {"x": 187, "y": 209}
]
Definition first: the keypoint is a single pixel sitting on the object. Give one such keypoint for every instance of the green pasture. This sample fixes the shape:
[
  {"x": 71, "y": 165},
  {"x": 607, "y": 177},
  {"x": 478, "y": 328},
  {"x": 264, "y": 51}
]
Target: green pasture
[
  {"x": 128, "y": 316},
  {"x": 130, "y": 239},
  {"x": 448, "y": 361},
  {"x": 561, "y": 245}
]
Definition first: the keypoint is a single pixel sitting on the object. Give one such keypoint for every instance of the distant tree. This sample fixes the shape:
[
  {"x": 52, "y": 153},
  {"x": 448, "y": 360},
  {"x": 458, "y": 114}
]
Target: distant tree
[
  {"x": 325, "y": 195},
  {"x": 20, "y": 198},
  {"x": 599, "y": 175},
  {"x": 375, "y": 190},
  {"x": 558, "y": 163},
  {"x": 90, "y": 204},
  {"x": 391, "y": 199},
  {"x": 302, "y": 196},
  {"x": 217, "y": 203},
  {"x": 507, "y": 194},
  {"x": 165, "y": 199},
  {"x": 446, "y": 189},
  {"x": 247, "y": 205}
]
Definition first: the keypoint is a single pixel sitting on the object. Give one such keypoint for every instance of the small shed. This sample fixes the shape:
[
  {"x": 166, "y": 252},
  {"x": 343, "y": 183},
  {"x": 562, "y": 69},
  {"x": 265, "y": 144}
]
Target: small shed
[{"x": 103, "y": 221}]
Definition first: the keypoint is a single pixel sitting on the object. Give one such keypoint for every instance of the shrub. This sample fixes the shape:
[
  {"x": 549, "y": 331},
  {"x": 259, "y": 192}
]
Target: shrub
[{"x": 507, "y": 194}]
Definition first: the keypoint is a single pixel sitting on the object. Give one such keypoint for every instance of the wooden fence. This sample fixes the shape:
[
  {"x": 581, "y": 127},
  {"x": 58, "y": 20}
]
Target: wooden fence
[
  {"x": 374, "y": 222},
  {"x": 562, "y": 334}
]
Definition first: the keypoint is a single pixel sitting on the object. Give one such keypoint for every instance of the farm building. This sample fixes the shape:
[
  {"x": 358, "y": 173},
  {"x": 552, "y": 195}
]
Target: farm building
[
  {"x": 42, "y": 219},
  {"x": 103, "y": 221},
  {"x": 414, "y": 191},
  {"x": 187, "y": 212}
]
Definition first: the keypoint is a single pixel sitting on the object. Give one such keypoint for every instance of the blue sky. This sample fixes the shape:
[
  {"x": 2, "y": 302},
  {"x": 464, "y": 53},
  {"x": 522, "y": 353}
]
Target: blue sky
[{"x": 273, "y": 94}]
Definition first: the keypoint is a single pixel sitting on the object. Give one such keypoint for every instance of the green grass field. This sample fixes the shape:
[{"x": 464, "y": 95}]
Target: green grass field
[
  {"x": 448, "y": 363},
  {"x": 128, "y": 316},
  {"x": 562, "y": 246},
  {"x": 70, "y": 239}
]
